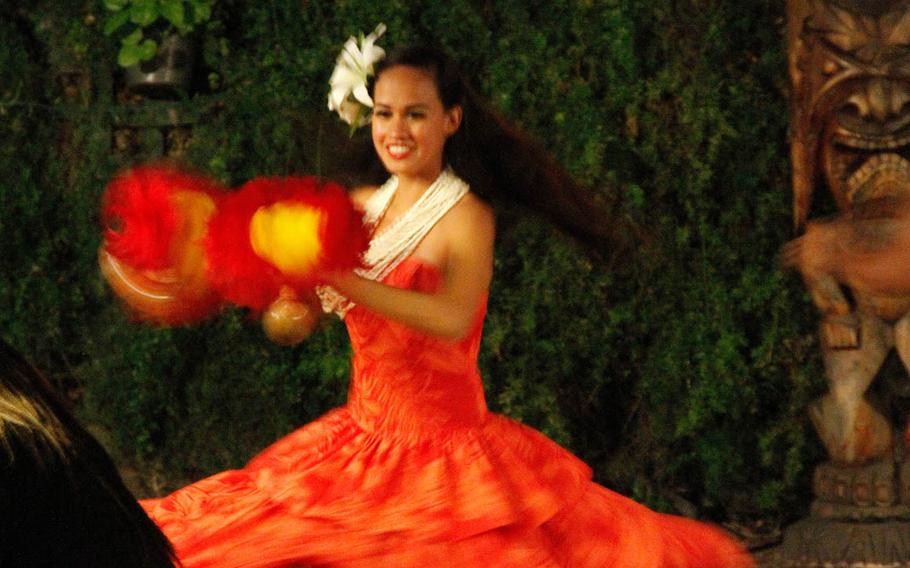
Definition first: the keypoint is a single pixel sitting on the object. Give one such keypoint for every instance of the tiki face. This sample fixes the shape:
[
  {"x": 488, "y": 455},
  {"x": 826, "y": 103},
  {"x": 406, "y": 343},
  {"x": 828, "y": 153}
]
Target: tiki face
[{"x": 850, "y": 68}]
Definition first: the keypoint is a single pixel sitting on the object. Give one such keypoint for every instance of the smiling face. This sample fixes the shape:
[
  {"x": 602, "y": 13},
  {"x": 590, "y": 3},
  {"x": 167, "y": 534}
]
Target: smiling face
[{"x": 410, "y": 124}]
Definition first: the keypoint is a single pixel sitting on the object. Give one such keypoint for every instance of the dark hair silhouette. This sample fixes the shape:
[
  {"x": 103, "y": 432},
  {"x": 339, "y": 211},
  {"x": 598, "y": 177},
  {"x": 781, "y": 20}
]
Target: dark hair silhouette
[
  {"x": 502, "y": 164},
  {"x": 62, "y": 501}
]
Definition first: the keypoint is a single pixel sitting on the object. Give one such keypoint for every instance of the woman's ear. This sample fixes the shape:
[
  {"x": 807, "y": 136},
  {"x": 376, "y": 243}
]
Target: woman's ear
[{"x": 453, "y": 119}]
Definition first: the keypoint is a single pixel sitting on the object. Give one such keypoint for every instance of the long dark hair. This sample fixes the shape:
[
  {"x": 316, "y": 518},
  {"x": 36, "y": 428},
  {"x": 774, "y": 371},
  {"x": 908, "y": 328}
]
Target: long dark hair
[
  {"x": 502, "y": 164},
  {"x": 62, "y": 501}
]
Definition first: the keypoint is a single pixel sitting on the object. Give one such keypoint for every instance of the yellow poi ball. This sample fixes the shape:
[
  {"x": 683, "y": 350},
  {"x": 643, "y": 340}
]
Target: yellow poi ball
[
  {"x": 287, "y": 236},
  {"x": 197, "y": 208}
]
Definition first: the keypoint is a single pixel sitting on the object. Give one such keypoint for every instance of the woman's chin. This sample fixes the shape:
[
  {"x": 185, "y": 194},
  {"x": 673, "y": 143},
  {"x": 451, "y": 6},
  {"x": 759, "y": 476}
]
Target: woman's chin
[{"x": 397, "y": 167}]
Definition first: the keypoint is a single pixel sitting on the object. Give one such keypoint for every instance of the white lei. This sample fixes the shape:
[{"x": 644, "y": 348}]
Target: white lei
[{"x": 399, "y": 240}]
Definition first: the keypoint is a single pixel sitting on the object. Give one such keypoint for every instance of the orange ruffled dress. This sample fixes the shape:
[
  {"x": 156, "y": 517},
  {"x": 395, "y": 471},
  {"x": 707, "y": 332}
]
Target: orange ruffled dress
[{"x": 415, "y": 471}]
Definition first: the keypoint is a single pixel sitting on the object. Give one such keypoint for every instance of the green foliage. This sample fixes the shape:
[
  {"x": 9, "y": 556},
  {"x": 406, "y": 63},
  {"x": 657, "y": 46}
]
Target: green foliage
[
  {"x": 684, "y": 373},
  {"x": 141, "y": 24},
  {"x": 45, "y": 243}
]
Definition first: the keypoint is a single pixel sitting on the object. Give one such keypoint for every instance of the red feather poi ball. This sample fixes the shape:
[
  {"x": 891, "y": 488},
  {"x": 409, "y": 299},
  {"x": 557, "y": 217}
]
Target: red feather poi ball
[
  {"x": 155, "y": 218},
  {"x": 281, "y": 232}
]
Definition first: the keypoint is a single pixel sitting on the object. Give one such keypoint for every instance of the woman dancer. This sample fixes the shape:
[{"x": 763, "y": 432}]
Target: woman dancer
[{"x": 414, "y": 470}]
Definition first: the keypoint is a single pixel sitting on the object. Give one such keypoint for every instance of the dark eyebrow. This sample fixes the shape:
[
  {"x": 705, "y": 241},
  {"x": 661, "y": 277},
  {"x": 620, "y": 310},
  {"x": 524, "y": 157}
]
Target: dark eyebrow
[{"x": 418, "y": 106}]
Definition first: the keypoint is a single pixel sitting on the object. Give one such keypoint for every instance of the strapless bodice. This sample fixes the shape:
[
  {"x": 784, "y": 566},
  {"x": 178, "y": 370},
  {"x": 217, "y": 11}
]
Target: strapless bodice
[{"x": 407, "y": 382}]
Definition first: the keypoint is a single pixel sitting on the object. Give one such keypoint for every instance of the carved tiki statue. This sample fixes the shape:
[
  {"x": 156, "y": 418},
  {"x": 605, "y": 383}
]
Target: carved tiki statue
[{"x": 849, "y": 63}]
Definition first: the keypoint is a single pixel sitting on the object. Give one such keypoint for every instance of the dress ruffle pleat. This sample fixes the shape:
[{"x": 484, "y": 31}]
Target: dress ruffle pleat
[{"x": 415, "y": 472}]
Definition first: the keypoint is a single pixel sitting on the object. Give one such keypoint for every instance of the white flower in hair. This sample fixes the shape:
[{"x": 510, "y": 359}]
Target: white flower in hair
[{"x": 353, "y": 68}]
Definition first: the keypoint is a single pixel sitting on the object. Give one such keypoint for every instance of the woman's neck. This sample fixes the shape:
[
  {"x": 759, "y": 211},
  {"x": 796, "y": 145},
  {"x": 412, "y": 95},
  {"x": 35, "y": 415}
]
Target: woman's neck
[{"x": 411, "y": 188}]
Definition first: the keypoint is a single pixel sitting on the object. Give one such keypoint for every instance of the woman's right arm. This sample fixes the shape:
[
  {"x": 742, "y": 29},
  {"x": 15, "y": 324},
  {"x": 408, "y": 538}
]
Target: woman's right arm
[{"x": 467, "y": 268}]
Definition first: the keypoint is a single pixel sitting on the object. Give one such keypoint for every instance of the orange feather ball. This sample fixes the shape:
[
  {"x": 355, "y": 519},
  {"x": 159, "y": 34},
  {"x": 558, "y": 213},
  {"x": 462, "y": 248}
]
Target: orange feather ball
[
  {"x": 177, "y": 246},
  {"x": 275, "y": 232},
  {"x": 155, "y": 220}
]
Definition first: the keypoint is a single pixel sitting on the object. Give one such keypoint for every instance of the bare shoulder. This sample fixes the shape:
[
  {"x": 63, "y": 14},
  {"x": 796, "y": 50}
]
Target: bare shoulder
[
  {"x": 469, "y": 227},
  {"x": 472, "y": 214},
  {"x": 359, "y": 195}
]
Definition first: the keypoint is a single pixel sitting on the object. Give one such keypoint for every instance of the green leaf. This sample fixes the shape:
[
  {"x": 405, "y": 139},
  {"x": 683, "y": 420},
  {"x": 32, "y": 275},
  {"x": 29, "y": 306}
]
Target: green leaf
[
  {"x": 144, "y": 12},
  {"x": 147, "y": 49},
  {"x": 173, "y": 11},
  {"x": 131, "y": 54},
  {"x": 115, "y": 5},
  {"x": 133, "y": 38},
  {"x": 115, "y": 22},
  {"x": 128, "y": 55}
]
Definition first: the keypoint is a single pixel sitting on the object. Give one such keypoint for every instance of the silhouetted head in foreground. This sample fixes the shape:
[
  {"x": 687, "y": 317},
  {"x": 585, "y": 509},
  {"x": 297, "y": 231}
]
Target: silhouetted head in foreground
[{"x": 62, "y": 501}]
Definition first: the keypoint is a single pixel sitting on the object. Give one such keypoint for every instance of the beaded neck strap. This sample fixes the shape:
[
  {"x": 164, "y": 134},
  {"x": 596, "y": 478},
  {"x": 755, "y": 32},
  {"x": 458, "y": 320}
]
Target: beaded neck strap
[{"x": 398, "y": 241}]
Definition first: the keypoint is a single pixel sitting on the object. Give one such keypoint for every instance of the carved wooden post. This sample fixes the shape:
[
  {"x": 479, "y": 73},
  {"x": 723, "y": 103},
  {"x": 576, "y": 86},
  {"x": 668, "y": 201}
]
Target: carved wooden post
[{"x": 849, "y": 65}]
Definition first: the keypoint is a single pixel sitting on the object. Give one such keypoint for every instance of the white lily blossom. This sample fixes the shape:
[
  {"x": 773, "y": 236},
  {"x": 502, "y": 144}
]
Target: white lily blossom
[{"x": 348, "y": 95}]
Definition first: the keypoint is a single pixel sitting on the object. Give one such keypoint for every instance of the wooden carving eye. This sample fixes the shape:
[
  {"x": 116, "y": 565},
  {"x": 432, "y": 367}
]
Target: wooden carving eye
[{"x": 830, "y": 67}]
